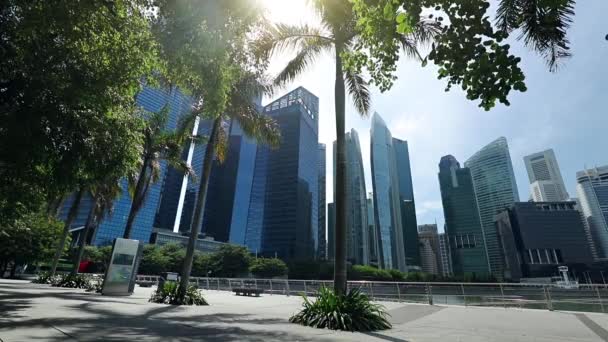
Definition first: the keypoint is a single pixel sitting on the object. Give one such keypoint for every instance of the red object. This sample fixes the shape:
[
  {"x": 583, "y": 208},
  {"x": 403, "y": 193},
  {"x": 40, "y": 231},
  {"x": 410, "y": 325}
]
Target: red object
[{"x": 84, "y": 266}]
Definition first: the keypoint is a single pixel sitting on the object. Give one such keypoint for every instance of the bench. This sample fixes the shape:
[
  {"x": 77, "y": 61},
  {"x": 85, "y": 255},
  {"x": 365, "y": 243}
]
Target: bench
[{"x": 246, "y": 291}]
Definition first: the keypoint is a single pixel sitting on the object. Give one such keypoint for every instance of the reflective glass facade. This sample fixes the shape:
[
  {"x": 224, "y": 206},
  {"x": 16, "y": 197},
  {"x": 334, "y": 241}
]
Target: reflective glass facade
[
  {"x": 153, "y": 100},
  {"x": 462, "y": 221},
  {"x": 407, "y": 203},
  {"x": 592, "y": 189},
  {"x": 495, "y": 189},
  {"x": 321, "y": 234},
  {"x": 283, "y": 213},
  {"x": 387, "y": 213}
]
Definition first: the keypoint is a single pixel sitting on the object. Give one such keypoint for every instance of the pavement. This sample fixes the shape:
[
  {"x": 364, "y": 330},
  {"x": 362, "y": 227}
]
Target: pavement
[{"x": 32, "y": 312}]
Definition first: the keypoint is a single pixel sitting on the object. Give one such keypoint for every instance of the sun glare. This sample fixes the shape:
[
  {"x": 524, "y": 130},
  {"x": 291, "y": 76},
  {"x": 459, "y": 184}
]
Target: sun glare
[{"x": 288, "y": 11}]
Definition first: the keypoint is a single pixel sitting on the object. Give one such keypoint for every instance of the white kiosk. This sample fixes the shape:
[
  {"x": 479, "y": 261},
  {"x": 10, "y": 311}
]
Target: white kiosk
[{"x": 120, "y": 276}]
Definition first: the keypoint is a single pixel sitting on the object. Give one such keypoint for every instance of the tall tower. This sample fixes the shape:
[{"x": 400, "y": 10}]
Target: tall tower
[
  {"x": 283, "y": 210},
  {"x": 463, "y": 231},
  {"x": 387, "y": 212},
  {"x": 546, "y": 183},
  {"x": 322, "y": 238},
  {"x": 592, "y": 190},
  {"x": 407, "y": 204},
  {"x": 430, "y": 254},
  {"x": 357, "y": 237},
  {"x": 495, "y": 189}
]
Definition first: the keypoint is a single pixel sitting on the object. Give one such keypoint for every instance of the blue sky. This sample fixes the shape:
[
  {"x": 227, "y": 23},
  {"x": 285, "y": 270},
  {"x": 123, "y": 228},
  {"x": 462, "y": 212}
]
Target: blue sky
[{"x": 566, "y": 111}]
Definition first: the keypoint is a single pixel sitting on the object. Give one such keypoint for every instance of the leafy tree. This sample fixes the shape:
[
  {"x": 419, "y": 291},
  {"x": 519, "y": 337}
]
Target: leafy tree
[
  {"x": 202, "y": 265},
  {"x": 338, "y": 35},
  {"x": 153, "y": 261},
  {"x": 29, "y": 239},
  {"x": 69, "y": 72},
  {"x": 230, "y": 261},
  {"x": 158, "y": 145},
  {"x": 268, "y": 267},
  {"x": 205, "y": 46},
  {"x": 365, "y": 272}
]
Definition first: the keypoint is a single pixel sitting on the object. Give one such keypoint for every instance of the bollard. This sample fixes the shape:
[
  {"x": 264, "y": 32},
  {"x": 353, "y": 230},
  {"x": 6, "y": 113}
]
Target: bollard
[
  {"x": 398, "y": 292},
  {"x": 502, "y": 293},
  {"x": 208, "y": 288},
  {"x": 464, "y": 297},
  {"x": 287, "y": 287},
  {"x": 548, "y": 299},
  {"x": 429, "y": 293}
]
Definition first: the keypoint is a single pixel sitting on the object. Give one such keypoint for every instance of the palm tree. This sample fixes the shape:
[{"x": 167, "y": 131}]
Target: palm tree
[
  {"x": 543, "y": 25},
  {"x": 66, "y": 228},
  {"x": 103, "y": 196},
  {"x": 254, "y": 124},
  {"x": 158, "y": 145},
  {"x": 338, "y": 33}
]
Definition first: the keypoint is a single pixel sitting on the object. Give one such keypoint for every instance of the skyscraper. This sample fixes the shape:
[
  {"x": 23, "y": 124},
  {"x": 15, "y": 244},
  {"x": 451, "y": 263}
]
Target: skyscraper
[
  {"x": 283, "y": 212},
  {"x": 463, "y": 228},
  {"x": 407, "y": 204},
  {"x": 357, "y": 237},
  {"x": 373, "y": 234},
  {"x": 387, "y": 208},
  {"x": 322, "y": 238},
  {"x": 546, "y": 183},
  {"x": 495, "y": 189},
  {"x": 446, "y": 257},
  {"x": 430, "y": 255},
  {"x": 592, "y": 190}
]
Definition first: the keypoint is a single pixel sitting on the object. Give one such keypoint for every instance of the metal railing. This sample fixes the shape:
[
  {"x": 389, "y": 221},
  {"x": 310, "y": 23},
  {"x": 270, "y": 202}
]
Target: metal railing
[{"x": 587, "y": 297}]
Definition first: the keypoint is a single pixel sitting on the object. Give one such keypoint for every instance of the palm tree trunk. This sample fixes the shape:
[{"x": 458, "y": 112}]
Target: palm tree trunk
[
  {"x": 340, "y": 285},
  {"x": 138, "y": 198},
  {"x": 197, "y": 220},
  {"x": 83, "y": 238},
  {"x": 66, "y": 230}
]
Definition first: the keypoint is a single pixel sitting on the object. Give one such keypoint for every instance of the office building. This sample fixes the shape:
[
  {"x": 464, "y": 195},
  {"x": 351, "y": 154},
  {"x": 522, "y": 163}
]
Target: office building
[
  {"x": 430, "y": 254},
  {"x": 357, "y": 236},
  {"x": 113, "y": 225},
  {"x": 407, "y": 204},
  {"x": 446, "y": 258},
  {"x": 546, "y": 183},
  {"x": 331, "y": 231},
  {"x": 207, "y": 245},
  {"x": 463, "y": 229},
  {"x": 387, "y": 209},
  {"x": 373, "y": 234},
  {"x": 321, "y": 233},
  {"x": 537, "y": 237},
  {"x": 495, "y": 189},
  {"x": 283, "y": 212},
  {"x": 592, "y": 191}
]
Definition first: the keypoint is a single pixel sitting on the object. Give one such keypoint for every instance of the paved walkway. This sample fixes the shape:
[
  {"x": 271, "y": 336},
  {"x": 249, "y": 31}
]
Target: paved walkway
[{"x": 30, "y": 312}]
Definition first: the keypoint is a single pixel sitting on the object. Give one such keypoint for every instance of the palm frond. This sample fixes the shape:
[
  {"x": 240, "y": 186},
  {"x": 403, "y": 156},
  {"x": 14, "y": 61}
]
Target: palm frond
[
  {"x": 281, "y": 37},
  {"x": 358, "y": 90},
  {"x": 543, "y": 26},
  {"x": 221, "y": 144},
  {"x": 185, "y": 125},
  {"x": 422, "y": 35},
  {"x": 295, "y": 67}
]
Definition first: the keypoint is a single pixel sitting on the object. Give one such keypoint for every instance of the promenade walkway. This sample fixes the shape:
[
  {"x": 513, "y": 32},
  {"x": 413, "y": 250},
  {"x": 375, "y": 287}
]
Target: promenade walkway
[{"x": 30, "y": 312}]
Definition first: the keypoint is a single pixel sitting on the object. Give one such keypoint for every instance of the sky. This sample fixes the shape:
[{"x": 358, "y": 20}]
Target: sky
[{"x": 566, "y": 111}]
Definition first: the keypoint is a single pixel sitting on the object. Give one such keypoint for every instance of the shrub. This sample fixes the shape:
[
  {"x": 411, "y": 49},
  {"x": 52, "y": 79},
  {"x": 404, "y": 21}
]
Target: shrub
[
  {"x": 43, "y": 278},
  {"x": 364, "y": 272},
  {"x": 268, "y": 268},
  {"x": 76, "y": 281},
  {"x": 397, "y": 275},
  {"x": 353, "y": 312},
  {"x": 95, "y": 285},
  {"x": 167, "y": 294}
]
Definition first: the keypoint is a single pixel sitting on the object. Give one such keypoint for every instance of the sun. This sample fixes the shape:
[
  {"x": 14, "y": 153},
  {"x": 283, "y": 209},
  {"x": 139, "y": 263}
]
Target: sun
[{"x": 288, "y": 11}]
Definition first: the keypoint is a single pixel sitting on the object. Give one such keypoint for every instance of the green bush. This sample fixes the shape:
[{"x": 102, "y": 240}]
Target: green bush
[
  {"x": 167, "y": 294},
  {"x": 364, "y": 272},
  {"x": 397, "y": 275},
  {"x": 43, "y": 278},
  {"x": 95, "y": 285},
  {"x": 268, "y": 268},
  {"x": 353, "y": 312},
  {"x": 76, "y": 281}
]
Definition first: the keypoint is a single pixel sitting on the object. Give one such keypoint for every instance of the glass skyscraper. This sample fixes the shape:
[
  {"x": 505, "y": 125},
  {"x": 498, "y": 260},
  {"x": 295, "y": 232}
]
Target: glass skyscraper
[
  {"x": 463, "y": 230},
  {"x": 495, "y": 189},
  {"x": 283, "y": 212},
  {"x": 357, "y": 236},
  {"x": 321, "y": 235},
  {"x": 387, "y": 211},
  {"x": 592, "y": 190},
  {"x": 407, "y": 203}
]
